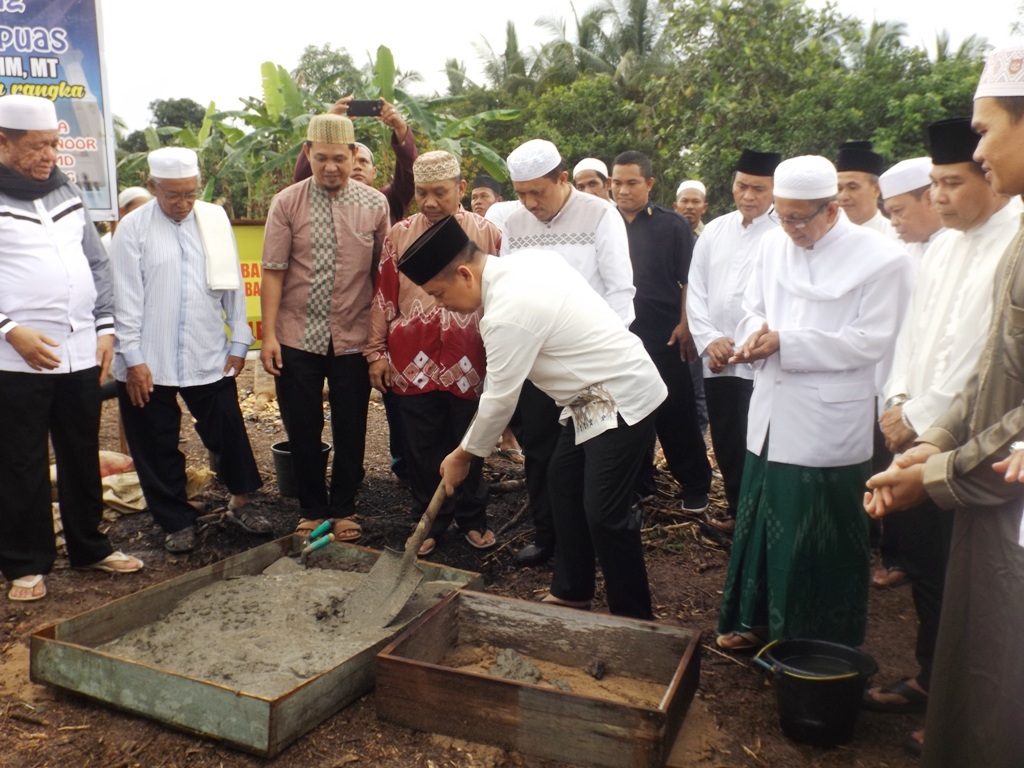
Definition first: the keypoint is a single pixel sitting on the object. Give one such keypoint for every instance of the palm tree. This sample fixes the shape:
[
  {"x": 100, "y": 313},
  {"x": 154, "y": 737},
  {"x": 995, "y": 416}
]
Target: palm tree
[{"x": 513, "y": 69}]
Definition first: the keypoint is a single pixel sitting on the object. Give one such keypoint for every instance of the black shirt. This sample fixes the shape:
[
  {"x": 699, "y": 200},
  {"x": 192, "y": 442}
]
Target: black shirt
[{"x": 660, "y": 248}]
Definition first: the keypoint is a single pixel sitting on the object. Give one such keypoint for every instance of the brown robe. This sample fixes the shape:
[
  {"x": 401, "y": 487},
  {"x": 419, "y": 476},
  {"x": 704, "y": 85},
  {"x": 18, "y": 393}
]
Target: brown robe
[{"x": 976, "y": 703}]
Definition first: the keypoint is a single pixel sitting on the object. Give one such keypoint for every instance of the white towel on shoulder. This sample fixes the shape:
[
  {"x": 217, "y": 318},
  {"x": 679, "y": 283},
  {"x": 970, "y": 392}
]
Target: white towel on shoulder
[{"x": 222, "y": 272}]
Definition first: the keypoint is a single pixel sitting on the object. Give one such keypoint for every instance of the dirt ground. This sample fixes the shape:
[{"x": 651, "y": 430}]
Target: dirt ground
[{"x": 733, "y": 720}]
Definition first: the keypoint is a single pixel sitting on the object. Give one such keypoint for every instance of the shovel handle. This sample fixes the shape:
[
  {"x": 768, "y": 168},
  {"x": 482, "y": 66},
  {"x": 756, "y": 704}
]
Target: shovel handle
[{"x": 427, "y": 520}]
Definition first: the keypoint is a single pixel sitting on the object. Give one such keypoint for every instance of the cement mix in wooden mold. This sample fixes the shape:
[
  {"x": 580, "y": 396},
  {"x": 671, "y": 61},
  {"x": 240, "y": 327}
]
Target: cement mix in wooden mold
[
  {"x": 264, "y": 634},
  {"x": 521, "y": 667}
]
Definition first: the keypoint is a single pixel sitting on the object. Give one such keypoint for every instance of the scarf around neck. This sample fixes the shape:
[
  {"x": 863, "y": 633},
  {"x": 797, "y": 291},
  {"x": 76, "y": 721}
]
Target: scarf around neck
[{"x": 24, "y": 188}]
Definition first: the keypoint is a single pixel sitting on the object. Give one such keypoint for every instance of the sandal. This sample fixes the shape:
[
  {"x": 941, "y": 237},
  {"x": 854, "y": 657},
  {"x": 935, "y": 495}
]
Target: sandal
[
  {"x": 913, "y": 699},
  {"x": 483, "y": 543},
  {"x": 347, "y": 529},
  {"x": 116, "y": 562},
  {"x": 249, "y": 518},
  {"x": 27, "y": 582},
  {"x": 181, "y": 541},
  {"x": 515, "y": 455},
  {"x": 739, "y": 641},
  {"x": 427, "y": 547},
  {"x": 887, "y": 578},
  {"x": 914, "y": 743}
]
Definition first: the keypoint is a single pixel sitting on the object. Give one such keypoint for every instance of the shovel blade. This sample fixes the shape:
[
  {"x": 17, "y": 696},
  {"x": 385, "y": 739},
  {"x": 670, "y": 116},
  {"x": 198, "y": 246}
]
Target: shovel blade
[{"x": 385, "y": 591}]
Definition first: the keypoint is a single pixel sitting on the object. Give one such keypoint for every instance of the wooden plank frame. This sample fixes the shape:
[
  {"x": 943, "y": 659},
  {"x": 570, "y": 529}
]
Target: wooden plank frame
[
  {"x": 65, "y": 655},
  {"x": 415, "y": 690}
]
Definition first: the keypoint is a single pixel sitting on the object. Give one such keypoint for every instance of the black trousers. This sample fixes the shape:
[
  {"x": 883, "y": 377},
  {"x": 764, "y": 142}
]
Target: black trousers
[
  {"x": 592, "y": 496},
  {"x": 300, "y": 394},
  {"x": 396, "y": 435},
  {"x": 540, "y": 429},
  {"x": 728, "y": 404},
  {"x": 153, "y": 431},
  {"x": 66, "y": 408},
  {"x": 923, "y": 535},
  {"x": 678, "y": 429},
  {"x": 435, "y": 423}
]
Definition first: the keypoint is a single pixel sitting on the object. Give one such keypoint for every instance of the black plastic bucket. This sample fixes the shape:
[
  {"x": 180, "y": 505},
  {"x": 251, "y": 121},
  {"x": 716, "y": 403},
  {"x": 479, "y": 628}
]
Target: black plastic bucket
[
  {"x": 286, "y": 484},
  {"x": 819, "y": 686}
]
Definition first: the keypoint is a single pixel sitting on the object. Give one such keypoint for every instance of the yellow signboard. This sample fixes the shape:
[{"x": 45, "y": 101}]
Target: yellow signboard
[{"x": 249, "y": 238}]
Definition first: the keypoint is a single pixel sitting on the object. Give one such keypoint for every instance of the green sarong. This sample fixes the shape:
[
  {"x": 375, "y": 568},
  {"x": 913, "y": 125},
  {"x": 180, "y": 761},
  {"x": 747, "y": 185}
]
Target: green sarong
[{"x": 800, "y": 556}]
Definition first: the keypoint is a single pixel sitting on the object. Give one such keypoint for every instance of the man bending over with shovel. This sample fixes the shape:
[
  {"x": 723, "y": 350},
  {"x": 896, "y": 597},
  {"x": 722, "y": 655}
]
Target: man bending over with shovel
[{"x": 542, "y": 322}]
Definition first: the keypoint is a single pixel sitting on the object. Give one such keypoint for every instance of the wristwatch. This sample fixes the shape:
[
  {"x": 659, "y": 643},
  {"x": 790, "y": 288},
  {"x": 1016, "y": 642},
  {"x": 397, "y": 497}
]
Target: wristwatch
[
  {"x": 1016, "y": 445},
  {"x": 895, "y": 400}
]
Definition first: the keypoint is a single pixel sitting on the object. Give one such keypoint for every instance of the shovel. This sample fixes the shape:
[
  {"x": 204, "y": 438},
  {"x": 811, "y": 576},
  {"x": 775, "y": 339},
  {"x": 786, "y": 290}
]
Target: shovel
[{"x": 394, "y": 577}]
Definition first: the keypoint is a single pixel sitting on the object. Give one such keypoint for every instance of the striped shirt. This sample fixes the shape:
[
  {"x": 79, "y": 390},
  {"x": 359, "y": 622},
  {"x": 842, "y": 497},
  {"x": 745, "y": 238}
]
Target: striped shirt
[{"x": 164, "y": 314}]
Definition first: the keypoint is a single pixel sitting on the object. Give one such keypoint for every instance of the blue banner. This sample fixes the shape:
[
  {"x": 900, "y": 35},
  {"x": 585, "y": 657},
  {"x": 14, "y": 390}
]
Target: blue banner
[{"x": 52, "y": 48}]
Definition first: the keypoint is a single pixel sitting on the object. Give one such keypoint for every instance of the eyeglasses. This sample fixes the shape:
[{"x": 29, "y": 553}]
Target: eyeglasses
[
  {"x": 799, "y": 222},
  {"x": 175, "y": 197}
]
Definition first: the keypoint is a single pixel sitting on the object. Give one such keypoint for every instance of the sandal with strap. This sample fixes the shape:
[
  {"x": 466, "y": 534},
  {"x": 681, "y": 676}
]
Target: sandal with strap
[
  {"x": 116, "y": 562},
  {"x": 28, "y": 582},
  {"x": 249, "y": 518}
]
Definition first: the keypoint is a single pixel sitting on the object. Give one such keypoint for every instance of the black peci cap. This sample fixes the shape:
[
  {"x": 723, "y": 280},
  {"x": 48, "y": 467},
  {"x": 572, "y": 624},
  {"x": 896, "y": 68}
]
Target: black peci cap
[{"x": 433, "y": 251}]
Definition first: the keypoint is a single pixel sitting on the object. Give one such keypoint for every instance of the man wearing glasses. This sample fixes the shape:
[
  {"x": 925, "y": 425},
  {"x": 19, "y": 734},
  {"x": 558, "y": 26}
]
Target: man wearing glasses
[
  {"x": 822, "y": 309},
  {"x": 177, "y": 283}
]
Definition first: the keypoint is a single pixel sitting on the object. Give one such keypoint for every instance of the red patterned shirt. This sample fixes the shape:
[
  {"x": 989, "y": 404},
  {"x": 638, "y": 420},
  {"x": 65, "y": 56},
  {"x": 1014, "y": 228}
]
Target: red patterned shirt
[{"x": 429, "y": 348}]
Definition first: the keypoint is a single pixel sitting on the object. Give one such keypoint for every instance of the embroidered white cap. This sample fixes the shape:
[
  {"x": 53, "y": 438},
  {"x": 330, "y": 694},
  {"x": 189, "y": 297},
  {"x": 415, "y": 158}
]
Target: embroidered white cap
[
  {"x": 590, "y": 164},
  {"x": 532, "y": 160},
  {"x": 27, "y": 113},
  {"x": 906, "y": 176},
  {"x": 808, "y": 177},
  {"x": 1004, "y": 72}
]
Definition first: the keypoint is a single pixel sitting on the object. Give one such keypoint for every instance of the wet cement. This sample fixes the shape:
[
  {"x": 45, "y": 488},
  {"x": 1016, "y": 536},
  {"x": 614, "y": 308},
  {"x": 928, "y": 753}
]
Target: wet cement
[{"x": 264, "y": 634}]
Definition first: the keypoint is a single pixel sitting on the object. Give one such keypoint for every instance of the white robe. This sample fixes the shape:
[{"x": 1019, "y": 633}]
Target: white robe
[
  {"x": 837, "y": 309},
  {"x": 949, "y": 316}
]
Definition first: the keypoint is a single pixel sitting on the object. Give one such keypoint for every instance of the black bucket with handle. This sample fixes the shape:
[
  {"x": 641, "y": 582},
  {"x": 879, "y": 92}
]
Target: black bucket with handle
[{"x": 819, "y": 686}]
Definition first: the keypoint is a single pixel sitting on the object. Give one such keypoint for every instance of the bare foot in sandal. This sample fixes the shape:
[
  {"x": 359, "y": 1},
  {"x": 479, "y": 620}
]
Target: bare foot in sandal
[{"x": 484, "y": 540}]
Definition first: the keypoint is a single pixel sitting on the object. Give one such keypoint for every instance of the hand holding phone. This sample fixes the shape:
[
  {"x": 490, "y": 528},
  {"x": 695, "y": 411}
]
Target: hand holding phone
[{"x": 364, "y": 108}]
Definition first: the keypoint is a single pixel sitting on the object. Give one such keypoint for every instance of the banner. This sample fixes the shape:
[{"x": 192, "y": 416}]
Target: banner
[{"x": 52, "y": 48}]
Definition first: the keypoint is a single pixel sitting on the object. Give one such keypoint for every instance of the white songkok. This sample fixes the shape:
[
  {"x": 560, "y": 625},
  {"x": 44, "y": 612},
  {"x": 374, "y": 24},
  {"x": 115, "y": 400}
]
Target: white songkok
[
  {"x": 27, "y": 113},
  {"x": 130, "y": 195},
  {"x": 691, "y": 184},
  {"x": 906, "y": 176},
  {"x": 532, "y": 160},
  {"x": 808, "y": 177},
  {"x": 589, "y": 164},
  {"x": 173, "y": 163},
  {"x": 1004, "y": 73}
]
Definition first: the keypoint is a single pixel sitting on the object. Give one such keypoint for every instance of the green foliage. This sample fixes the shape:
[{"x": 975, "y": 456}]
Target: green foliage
[{"x": 326, "y": 73}]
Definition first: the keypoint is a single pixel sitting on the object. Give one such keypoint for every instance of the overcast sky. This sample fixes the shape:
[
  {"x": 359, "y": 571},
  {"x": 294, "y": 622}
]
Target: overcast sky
[{"x": 211, "y": 50}]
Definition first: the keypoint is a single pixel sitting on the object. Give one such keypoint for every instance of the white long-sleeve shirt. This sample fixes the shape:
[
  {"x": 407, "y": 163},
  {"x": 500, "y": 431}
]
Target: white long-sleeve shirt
[
  {"x": 542, "y": 322},
  {"x": 164, "y": 314},
  {"x": 949, "y": 315},
  {"x": 591, "y": 236},
  {"x": 723, "y": 260}
]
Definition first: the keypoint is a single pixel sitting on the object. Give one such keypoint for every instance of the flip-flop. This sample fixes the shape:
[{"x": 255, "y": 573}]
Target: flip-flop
[
  {"x": 744, "y": 641},
  {"x": 28, "y": 582},
  {"x": 494, "y": 539},
  {"x": 915, "y": 701},
  {"x": 427, "y": 547},
  {"x": 106, "y": 564}
]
